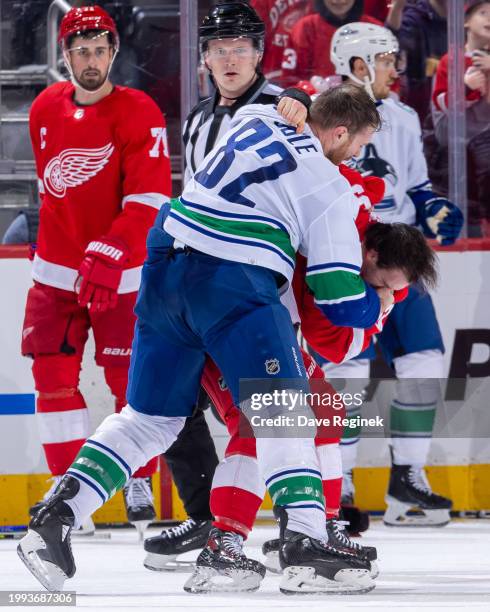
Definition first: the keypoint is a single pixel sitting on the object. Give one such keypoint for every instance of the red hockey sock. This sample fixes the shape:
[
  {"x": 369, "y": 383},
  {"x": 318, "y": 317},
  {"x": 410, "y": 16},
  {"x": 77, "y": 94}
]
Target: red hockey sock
[
  {"x": 234, "y": 509},
  {"x": 332, "y": 490}
]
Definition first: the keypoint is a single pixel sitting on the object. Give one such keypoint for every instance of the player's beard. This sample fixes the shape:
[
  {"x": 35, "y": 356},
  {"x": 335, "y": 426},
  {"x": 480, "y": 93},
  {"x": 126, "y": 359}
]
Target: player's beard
[
  {"x": 92, "y": 82},
  {"x": 340, "y": 154}
]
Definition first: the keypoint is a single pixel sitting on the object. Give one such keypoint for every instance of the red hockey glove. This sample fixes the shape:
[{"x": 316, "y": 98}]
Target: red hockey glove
[{"x": 100, "y": 274}]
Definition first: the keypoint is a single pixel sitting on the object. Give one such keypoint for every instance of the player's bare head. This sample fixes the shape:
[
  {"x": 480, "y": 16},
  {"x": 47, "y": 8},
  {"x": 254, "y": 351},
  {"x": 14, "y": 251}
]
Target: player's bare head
[
  {"x": 231, "y": 41},
  {"x": 396, "y": 254},
  {"x": 344, "y": 119},
  {"x": 89, "y": 41}
]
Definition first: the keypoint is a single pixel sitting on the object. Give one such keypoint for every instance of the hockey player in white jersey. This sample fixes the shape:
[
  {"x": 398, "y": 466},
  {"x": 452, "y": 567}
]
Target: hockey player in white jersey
[
  {"x": 210, "y": 286},
  {"x": 366, "y": 54}
]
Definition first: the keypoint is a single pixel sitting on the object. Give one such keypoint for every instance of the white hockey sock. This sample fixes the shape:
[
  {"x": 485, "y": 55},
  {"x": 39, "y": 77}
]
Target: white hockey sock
[
  {"x": 121, "y": 444},
  {"x": 414, "y": 406}
]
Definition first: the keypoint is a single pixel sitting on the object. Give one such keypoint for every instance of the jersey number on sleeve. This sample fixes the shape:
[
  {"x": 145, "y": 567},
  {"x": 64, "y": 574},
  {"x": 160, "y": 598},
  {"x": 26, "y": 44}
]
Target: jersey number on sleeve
[{"x": 252, "y": 133}]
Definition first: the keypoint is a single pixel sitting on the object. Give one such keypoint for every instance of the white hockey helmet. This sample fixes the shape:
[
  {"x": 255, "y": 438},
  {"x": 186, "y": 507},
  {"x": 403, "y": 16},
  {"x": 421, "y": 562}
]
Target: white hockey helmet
[{"x": 364, "y": 40}]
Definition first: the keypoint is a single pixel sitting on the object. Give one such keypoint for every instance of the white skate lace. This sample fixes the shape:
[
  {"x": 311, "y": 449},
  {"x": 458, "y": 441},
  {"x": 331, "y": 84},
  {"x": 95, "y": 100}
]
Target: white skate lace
[
  {"x": 418, "y": 479},
  {"x": 233, "y": 543},
  {"x": 180, "y": 529},
  {"x": 339, "y": 529},
  {"x": 138, "y": 493},
  {"x": 55, "y": 480}
]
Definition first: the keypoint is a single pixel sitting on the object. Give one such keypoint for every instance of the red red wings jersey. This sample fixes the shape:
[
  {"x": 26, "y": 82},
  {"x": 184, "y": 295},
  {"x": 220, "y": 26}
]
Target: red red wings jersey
[
  {"x": 279, "y": 17},
  {"x": 103, "y": 170},
  {"x": 338, "y": 344}
]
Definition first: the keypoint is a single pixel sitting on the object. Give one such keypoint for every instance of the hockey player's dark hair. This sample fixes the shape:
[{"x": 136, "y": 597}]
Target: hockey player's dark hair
[
  {"x": 90, "y": 34},
  {"x": 348, "y": 105},
  {"x": 403, "y": 246}
]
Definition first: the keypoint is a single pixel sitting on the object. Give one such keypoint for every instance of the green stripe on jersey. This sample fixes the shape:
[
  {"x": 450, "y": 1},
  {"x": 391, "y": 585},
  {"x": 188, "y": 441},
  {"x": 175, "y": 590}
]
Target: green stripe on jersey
[
  {"x": 99, "y": 466},
  {"x": 335, "y": 285},
  {"x": 241, "y": 227},
  {"x": 291, "y": 489}
]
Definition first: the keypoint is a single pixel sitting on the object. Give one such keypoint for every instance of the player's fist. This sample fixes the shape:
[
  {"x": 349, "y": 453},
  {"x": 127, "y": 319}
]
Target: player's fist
[
  {"x": 443, "y": 221},
  {"x": 100, "y": 274},
  {"x": 386, "y": 299}
]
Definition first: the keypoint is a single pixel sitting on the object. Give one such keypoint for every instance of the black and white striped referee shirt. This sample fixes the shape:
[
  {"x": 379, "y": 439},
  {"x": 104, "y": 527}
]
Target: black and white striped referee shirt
[{"x": 207, "y": 121}]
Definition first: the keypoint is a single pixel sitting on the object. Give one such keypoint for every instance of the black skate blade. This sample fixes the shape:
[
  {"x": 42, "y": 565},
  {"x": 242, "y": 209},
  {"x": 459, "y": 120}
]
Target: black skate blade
[{"x": 49, "y": 575}]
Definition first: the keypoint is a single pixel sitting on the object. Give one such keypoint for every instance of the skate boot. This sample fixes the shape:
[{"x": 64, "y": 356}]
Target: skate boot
[
  {"x": 314, "y": 566},
  {"x": 162, "y": 551},
  {"x": 223, "y": 567},
  {"x": 357, "y": 520},
  {"x": 87, "y": 528},
  {"x": 46, "y": 548},
  {"x": 339, "y": 538},
  {"x": 138, "y": 499},
  {"x": 409, "y": 489}
]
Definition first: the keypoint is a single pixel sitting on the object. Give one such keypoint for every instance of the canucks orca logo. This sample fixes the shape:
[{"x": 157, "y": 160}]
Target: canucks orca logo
[{"x": 371, "y": 164}]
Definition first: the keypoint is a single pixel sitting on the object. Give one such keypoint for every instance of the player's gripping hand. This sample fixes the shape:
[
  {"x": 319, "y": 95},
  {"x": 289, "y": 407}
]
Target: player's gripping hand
[
  {"x": 442, "y": 221},
  {"x": 293, "y": 112},
  {"x": 100, "y": 274}
]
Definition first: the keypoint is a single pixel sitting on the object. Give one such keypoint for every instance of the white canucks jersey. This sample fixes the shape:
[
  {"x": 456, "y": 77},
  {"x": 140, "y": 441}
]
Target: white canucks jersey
[
  {"x": 264, "y": 193},
  {"x": 396, "y": 155}
]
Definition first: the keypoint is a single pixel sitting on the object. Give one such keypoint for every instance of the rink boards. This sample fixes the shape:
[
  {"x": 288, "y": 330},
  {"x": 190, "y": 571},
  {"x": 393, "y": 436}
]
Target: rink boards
[{"x": 459, "y": 468}]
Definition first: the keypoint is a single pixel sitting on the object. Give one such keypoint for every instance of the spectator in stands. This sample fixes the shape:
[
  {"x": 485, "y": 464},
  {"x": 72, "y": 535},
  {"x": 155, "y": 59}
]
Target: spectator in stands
[
  {"x": 279, "y": 18},
  {"x": 309, "y": 54},
  {"x": 423, "y": 36},
  {"x": 477, "y": 81},
  {"x": 377, "y": 8}
]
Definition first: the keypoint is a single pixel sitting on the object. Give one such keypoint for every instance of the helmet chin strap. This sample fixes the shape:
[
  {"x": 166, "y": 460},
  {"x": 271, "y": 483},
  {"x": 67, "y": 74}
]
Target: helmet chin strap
[
  {"x": 74, "y": 80},
  {"x": 366, "y": 82},
  {"x": 368, "y": 86}
]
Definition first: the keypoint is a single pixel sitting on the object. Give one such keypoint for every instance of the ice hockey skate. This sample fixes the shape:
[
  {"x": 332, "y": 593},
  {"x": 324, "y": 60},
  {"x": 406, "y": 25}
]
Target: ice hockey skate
[
  {"x": 162, "y": 551},
  {"x": 87, "y": 528},
  {"x": 46, "y": 548},
  {"x": 138, "y": 499},
  {"x": 223, "y": 567},
  {"x": 408, "y": 490},
  {"x": 337, "y": 537},
  {"x": 314, "y": 566}
]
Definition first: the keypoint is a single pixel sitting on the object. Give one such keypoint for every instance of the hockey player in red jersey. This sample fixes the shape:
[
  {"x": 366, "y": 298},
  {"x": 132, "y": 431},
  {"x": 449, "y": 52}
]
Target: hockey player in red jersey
[{"x": 103, "y": 172}]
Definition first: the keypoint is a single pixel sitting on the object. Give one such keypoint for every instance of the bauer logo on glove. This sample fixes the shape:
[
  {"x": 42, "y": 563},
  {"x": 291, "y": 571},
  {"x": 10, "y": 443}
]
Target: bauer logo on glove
[{"x": 100, "y": 274}]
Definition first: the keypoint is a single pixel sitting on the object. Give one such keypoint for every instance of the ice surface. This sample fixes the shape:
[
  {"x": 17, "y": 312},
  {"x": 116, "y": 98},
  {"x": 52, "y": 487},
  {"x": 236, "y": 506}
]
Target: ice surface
[{"x": 421, "y": 569}]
